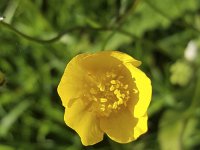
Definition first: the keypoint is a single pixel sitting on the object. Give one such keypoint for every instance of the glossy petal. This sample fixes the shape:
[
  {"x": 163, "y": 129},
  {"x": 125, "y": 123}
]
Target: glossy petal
[
  {"x": 119, "y": 126},
  {"x": 143, "y": 84},
  {"x": 141, "y": 126},
  {"x": 100, "y": 61},
  {"x": 70, "y": 86},
  {"x": 85, "y": 123},
  {"x": 123, "y": 57}
]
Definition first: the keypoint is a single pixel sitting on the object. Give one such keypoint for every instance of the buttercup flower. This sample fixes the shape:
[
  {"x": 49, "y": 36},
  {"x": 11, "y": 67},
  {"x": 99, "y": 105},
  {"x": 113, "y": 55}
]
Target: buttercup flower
[{"x": 105, "y": 92}]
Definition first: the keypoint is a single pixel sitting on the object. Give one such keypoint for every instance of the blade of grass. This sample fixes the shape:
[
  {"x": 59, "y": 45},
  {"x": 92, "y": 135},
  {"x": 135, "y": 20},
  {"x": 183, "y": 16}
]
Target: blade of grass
[{"x": 12, "y": 116}]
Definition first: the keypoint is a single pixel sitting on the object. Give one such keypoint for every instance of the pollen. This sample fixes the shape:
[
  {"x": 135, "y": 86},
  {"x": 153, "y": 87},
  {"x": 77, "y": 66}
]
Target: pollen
[
  {"x": 114, "y": 105},
  {"x": 101, "y": 87},
  {"x": 117, "y": 92},
  {"x": 103, "y": 100},
  {"x": 112, "y": 88},
  {"x": 109, "y": 93},
  {"x": 113, "y": 82},
  {"x": 126, "y": 86}
]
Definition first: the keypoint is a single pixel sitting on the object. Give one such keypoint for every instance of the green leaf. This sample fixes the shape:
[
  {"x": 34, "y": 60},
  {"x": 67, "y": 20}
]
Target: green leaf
[
  {"x": 8, "y": 120},
  {"x": 155, "y": 14},
  {"x": 6, "y": 147}
]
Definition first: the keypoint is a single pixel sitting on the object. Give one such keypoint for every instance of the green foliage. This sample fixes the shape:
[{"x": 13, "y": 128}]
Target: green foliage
[
  {"x": 181, "y": 73},
  {"x": 32, "y": 62}
]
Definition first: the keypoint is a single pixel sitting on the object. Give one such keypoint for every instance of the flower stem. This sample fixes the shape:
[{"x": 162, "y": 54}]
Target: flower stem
[{"x": 62, "y": 33}]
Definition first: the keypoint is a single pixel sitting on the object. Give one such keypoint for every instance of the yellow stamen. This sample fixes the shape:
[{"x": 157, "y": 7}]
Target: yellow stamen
[
  {"x": 101, "y": 87},
  {"x": 103, "y": 100},
  {"x": 112, "y": 88},
  {"x": 114, "y": 105},
  {"x": 116, "y": 91},
  {"x": 123, "y": 95},
  {"x": 126, "y": 86},
  {"x": 120, "y": 101},
  {"x": 113, "y": 82}
]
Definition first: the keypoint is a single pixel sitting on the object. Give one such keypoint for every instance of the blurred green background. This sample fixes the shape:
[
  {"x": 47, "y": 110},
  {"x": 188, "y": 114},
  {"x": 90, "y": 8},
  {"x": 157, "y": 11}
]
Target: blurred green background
[{"x": 39, "y": 37}]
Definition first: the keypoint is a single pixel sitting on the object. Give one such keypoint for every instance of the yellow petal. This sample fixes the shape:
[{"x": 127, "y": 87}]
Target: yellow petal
[
  {"x": 96, "y": 62},
  {"x": 123, "y": 57},
  {"x": 85, "y": 123},
  {"x": 99, "y": 62},
  {"x": 141, "y": 126},
  {"x": 71, "y": 83},
  {"x": 144, "y": 87},
  {"x": 119, "y": 126}
]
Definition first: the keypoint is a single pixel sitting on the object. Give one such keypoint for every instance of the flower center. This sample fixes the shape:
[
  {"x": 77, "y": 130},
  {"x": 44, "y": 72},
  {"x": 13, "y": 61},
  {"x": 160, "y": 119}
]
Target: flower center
[{"x": 109, "y": 93}]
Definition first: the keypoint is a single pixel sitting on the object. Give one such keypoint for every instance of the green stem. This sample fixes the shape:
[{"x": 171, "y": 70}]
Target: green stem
[
  {"x": 196, "y": 99},
  {"x": 128, "y": 11},
  {"x": 61, "y": 34},
  {"x": 190, "y": 112},
  {"x": 120, "y": 21}
]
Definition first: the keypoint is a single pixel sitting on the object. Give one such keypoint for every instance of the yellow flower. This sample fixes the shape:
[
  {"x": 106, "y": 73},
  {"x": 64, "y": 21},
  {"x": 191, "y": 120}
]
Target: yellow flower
[{"x": 106, "y": 93}]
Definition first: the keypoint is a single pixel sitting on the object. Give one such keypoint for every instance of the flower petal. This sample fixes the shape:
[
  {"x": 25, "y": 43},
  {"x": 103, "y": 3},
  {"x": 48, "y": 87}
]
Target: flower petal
[
  {"x": 123, "y": 57},
  {"x": 119, "y": 126},
  {"x": 72, "y": 80},
  {"x": 85, "y": 123},
  {"x": 143, "y": 84},
  {"x": 141, "y": 126},
  {"x": 99, "y": 62}
]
